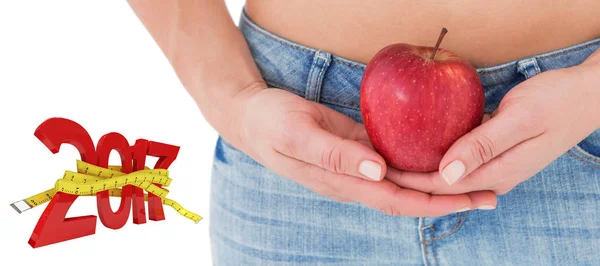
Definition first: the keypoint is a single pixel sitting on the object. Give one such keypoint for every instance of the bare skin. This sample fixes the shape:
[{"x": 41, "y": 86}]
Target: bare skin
[
  {"x": 485, "y": 33},
  {"x": 214, "y": 64}
]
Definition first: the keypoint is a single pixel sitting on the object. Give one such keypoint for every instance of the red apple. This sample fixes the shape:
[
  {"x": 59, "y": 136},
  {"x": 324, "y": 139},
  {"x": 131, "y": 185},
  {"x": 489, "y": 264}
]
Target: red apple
[{"x": 416, "y": 101}]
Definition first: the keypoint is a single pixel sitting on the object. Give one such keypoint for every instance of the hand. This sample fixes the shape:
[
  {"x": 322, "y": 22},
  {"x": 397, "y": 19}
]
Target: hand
[
  {"x": 330, "y": 154},
  {"x": 535, "y": 123}
]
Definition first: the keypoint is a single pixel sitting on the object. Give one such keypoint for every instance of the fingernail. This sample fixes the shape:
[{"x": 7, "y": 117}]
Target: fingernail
[
  {"x": 486, "y": 207},
  {"x": 463, "y": 209},
  {"x": 370, "y": 169},
  {"x": 453, "y": 172}
]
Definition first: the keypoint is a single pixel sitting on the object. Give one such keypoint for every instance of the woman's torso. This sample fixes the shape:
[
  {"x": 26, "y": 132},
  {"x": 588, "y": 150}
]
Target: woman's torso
[{"x": 484, "y": 32}]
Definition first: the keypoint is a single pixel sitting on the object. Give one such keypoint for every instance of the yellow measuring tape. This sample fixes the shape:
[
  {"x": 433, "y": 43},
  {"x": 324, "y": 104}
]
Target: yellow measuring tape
[{"x": 90, "y": 179}]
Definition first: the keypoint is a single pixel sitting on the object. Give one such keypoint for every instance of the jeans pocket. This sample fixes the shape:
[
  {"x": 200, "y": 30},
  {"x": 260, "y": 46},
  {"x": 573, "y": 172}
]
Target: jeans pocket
[
  {"x": 588, "y": 149},
  {"x": 226, "y": 153}
]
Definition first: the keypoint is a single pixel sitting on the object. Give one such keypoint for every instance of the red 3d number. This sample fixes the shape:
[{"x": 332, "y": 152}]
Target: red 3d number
[
  {"x": 139, "y": 162},
  {"x": 53, "y": 227},
  {"x": 110, "y": 219},
  {"x": 166, "y": 155}
]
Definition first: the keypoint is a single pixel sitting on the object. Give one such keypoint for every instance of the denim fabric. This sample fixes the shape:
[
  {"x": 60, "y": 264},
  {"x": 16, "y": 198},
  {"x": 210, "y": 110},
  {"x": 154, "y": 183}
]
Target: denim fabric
[{"x": 260, "y": 218}]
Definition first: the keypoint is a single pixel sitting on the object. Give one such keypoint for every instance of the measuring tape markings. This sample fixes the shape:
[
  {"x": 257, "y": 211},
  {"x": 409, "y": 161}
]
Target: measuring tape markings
[{"x": 91, "y": 179}]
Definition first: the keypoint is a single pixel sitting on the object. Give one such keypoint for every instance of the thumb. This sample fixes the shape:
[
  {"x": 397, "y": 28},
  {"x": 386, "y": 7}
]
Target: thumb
[
  {"x": 317, "y": 146},
  {"x": 484, "y": 143}
]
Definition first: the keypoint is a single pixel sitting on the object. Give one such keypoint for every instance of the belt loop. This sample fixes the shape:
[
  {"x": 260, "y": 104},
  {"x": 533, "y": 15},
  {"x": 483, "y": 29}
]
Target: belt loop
[
  {"x": 528, "y": 67},
  {"x": 316, "y": 73}
]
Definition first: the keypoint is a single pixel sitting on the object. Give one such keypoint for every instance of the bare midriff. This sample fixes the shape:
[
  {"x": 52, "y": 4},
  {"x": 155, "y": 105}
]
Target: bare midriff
[{"x": 484, "y": 32}]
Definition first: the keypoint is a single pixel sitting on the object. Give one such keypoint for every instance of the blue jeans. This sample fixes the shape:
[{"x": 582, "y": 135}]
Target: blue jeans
[{"x": 260, "y": 218}]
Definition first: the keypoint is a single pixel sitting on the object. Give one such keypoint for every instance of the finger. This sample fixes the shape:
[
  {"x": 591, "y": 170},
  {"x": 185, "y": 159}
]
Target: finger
[
  {"x": 512, "y": 167},
  {"x": 498, "y": 175},
  {"x": 313, "y": 144},
  {"x": 483, "y": 199},
  {"x": 433, "y": 183},
  {"x": 383, "y": 195},
  {"x": 396, "y": 200},
  {"x": 485, "y": 142},
  {"x": 428, "y": 182}
]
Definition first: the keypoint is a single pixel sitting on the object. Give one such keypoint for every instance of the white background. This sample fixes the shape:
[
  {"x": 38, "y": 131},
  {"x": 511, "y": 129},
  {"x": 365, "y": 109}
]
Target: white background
[{"x": 94, "y": 62}]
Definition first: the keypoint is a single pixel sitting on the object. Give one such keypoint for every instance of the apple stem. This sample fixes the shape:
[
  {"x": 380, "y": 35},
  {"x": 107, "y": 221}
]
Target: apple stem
[{"x": 437, "y": 45}]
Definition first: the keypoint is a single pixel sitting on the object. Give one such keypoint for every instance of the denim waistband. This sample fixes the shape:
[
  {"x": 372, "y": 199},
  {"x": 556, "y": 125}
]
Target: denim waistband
[{"x": 338, "y": 79}]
